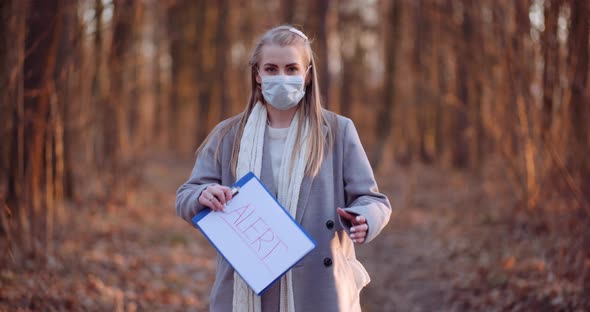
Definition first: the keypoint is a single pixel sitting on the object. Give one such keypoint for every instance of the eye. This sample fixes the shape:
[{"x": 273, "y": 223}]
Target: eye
[
  {"x": 293, "y": 70},
  {"x": 270, "y": 70}
]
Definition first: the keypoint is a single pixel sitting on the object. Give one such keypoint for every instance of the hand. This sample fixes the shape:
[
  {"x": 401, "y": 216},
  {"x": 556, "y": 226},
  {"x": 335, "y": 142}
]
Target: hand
[
  {"x": 215, "y": 196},
  {"x": 359, "y": 228}
]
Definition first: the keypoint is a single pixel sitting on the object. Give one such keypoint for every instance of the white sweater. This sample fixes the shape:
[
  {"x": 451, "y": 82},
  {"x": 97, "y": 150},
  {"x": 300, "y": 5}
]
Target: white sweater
[{"x": 277, "y": 138}]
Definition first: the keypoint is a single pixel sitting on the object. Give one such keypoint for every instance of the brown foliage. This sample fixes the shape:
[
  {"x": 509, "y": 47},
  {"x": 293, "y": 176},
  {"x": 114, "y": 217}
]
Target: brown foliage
[{"x": 90, "y": 89}]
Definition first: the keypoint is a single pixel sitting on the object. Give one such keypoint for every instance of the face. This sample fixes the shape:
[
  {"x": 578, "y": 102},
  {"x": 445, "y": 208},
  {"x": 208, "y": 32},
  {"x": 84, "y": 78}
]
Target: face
[{"x": 276, "y": 60}]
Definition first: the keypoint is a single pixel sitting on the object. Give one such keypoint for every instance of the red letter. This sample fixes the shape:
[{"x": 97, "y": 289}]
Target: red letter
[
  {"x": 252, "y": 226},
  {"x": 277, "y": 244},
  {"x": 240, "y": 212},
  {"x": 260, "y": 240}
]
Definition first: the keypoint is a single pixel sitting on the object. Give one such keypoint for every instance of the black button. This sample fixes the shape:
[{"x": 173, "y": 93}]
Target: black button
[
  {"x": 330, "y": 224},
  {"x": 327, "y": 262}
]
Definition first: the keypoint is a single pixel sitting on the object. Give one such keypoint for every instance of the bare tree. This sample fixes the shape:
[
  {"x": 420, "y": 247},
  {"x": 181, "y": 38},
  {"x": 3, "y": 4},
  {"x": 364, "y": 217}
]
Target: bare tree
[{"x": 385, "y": 115}]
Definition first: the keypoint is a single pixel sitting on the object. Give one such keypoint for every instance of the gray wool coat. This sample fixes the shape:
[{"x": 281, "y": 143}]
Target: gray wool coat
[{"x": 329, "y": 278}]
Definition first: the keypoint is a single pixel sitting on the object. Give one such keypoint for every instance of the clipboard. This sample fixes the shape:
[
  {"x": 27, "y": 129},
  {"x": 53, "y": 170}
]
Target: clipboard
[{"x": 255, "y": 234}]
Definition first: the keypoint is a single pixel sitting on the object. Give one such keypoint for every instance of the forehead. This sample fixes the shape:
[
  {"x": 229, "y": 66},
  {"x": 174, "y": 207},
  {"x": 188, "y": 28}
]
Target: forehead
[{"x": 277, "y": 55}]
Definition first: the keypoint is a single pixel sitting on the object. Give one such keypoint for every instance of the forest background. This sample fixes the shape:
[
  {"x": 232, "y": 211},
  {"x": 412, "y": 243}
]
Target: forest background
[{"x": 474, "y": 115}]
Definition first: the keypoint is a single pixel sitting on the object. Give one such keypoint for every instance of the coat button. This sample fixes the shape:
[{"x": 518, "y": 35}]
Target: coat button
[
  {"x": 327, "y": 262},
  {"x": 330, "y": 224}
]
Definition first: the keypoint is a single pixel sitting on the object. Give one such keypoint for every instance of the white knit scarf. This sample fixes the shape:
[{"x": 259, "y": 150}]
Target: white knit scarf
[{"x": 289, "y": 184}]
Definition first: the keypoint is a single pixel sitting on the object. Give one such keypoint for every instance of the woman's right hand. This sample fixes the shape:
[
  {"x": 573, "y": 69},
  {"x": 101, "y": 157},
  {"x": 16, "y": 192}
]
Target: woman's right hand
[{"x": 215, "y": 196}]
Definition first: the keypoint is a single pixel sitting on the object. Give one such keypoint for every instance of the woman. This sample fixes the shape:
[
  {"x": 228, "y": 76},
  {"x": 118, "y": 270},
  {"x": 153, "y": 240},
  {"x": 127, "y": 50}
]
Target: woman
[{"x": 312, "y": 160}]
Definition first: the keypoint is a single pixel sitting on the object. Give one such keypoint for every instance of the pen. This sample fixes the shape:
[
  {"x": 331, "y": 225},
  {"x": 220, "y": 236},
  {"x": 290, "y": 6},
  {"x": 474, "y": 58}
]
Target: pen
[{"x": 234, "y": 191}]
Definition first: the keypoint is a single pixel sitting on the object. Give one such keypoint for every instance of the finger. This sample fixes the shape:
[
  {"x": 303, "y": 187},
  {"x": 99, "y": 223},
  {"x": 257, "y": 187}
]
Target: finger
[
  {"x": 357, "y": 235},
  {"x": 358, "y": 229},
  {"x": 359, "y": 220},
  {"x": 356, "y": 238},
  {"x": 209, "y": 200},
  {"x": 227, "y": 193},
  {"x": 218, "y": 194},
  {"x": 346, "y": 215},
  {"x": 361, "y": 228},
  {"x": 203, "y": 198},
  {"x": 216, "y": 204}
]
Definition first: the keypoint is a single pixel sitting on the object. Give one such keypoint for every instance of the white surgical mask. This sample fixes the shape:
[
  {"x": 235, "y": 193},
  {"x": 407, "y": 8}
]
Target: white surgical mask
[{"x": 283, "y": 92}]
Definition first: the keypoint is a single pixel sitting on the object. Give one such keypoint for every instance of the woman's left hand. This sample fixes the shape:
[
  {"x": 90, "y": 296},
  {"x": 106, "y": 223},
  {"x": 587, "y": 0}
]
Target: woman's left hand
[{"x": 359, "y": 228}]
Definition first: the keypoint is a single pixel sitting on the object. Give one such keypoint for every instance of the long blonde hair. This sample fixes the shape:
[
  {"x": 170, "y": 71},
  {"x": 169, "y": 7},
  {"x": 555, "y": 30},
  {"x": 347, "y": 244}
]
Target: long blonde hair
[{"x": 310, "y": 108}]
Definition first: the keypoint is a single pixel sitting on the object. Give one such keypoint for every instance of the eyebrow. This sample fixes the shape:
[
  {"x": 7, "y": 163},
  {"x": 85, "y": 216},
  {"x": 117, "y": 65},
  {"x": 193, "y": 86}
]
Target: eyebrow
[{"x": 271, "y": 64}]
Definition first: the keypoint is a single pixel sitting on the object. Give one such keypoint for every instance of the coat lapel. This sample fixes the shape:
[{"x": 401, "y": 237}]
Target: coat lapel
[
  {"x": 267, "y": 178},
  {"x": 303, "y": 197},
  {"x": 305, "y": 190}
]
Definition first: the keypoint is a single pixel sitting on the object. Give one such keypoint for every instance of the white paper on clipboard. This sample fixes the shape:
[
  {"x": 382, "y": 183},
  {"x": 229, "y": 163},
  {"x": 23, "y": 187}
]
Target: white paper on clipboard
[{"x": 255, "y": 234}]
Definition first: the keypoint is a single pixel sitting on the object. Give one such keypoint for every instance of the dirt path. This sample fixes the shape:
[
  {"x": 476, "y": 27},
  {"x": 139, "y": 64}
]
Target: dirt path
[
  {"x": 141, "y": 256},
  {"x": 453, "y": 244},
  {"x": 404, "y": 261}
]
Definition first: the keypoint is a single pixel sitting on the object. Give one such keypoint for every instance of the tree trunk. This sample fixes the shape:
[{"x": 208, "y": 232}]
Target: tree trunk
[
  {"x": 319, "y": 34},
  {"x": 348, "y": 29},
  {"x": 208, "y": 66},
  {"x": 550, "y": 47},
  {"x": 15, "y": 220},
  {"x": 223, "y": 46},
  {"x": 385, "y": 115},
  {"x": 461, "y": 122},
  {"x": 119, "y": 59},
  {"x": 422, "y": 92},
  {"x": 288, "y": 8},
  {"x": 578, "y": 104},
  {"x": 42, "y": 42},
  {"x": 186, "y": 37}
]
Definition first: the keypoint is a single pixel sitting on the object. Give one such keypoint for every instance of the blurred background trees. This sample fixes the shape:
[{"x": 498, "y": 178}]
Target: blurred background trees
[{"x": 91, "y": 88}]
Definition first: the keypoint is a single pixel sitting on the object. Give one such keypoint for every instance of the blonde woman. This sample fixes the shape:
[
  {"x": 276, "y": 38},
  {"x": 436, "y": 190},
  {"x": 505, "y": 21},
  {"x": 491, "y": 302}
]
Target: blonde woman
[{"x": 312, "y": 160}]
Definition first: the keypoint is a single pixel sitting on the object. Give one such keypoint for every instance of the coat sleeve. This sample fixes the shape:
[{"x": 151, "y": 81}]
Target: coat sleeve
[
  {"x": 206, "y": 171},
  {"x": 362, "y": 195}
]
